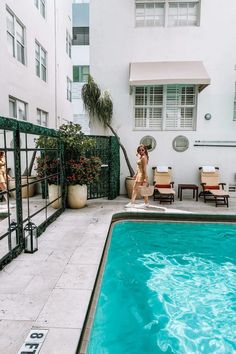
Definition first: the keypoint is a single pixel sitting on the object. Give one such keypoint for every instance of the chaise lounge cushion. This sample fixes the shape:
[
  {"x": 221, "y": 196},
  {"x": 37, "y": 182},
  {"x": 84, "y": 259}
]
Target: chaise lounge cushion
[
  {"x": 219, "y": 193},
  {"x": 158, "y": 185},
  {"x": 166, "y": 191},
  {"x": 206, "y": 188}
]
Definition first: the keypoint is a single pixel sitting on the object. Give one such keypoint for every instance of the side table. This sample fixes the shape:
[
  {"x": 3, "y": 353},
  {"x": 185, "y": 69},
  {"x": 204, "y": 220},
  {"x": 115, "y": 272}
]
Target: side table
[{"x": 192, "y": 187}]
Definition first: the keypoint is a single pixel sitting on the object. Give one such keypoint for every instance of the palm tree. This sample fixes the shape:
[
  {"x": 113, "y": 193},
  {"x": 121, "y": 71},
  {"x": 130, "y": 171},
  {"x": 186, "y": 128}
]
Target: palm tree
[{"x": 100, "y": 108}]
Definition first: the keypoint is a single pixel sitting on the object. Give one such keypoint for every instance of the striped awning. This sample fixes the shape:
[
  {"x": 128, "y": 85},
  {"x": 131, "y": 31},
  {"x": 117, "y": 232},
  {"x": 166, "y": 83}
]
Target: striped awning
[{"x": 169, "y": 72}]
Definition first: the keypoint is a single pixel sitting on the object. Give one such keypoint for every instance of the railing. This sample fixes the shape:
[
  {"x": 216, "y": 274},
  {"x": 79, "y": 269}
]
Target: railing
[
  {"x": 107, "y": 148},
  {"x": 19, "y": 203},
  {"x": 26, "y": 197}
]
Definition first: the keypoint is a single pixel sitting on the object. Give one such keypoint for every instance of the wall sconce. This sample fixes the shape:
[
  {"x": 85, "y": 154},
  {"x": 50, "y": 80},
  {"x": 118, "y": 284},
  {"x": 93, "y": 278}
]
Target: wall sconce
[
  {"x": 207, "y": 116},
  {"x": 30, "y": 236},
  {"x": 13, "y": 233}
]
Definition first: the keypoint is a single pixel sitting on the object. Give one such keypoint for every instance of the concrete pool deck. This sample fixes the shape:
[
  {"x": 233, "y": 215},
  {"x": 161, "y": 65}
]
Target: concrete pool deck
[{"x": 51, "y": 288}]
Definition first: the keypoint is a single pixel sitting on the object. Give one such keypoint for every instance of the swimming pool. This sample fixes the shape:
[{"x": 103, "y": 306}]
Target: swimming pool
[{"x": 168, "y": 287}]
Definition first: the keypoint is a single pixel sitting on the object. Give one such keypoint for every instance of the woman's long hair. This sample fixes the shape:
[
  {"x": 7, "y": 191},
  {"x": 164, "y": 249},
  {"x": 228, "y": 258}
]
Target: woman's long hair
[{"x": 142, "y": 146}]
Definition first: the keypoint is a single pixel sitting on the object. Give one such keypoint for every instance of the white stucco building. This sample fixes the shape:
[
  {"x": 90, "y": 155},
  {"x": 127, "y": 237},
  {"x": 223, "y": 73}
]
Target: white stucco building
[
  {"x": 35, "y": 61},
  {"x": 170, "y": 67},
  {"x": 80, "y": 58}
]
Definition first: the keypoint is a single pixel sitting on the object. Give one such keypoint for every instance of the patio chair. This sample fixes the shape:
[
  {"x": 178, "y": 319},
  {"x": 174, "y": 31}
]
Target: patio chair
[
  {"x": 212, "y": 188},
  {"x": 163, "y": 186}
]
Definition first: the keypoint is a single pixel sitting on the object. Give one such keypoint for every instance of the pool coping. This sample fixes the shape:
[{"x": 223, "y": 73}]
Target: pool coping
[
  {"x": 174, "y": 216},
  {"x": 123, "y": 216}
]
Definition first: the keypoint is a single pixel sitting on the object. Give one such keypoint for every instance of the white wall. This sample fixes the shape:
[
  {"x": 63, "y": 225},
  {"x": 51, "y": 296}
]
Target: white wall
[
  {"x": 115, "y": 42},
  {"x": 20, "y": 81}
]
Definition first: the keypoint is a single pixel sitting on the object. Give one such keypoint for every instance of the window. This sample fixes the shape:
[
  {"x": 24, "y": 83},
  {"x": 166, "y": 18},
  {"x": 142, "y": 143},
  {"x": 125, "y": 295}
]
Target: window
[
  {"x": 169, "y": 107},
  {"x": 41, "y": 5},
  {"x": 68, "y": 43},
  {"x": 234, "y": 117},
  {"x": 167, "y": 13},
  {"x": 180, "y": 143},
  {"x": 150, "y": 14},
  {"x": 40, "y": 62},
  {"x": 80, "y": 73},
  {"x": 69, "y": 90},
  {"x": 149, "y": 142},
  {"x": 15, "y": 37},
  {"x": 42, "y": 118},
  {"x": 80, "y": 36},
  {"x": 17, "y": 109}
]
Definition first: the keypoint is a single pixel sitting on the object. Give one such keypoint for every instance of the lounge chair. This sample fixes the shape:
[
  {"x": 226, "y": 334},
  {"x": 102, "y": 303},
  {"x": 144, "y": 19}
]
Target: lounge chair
[
  {"x": 163, "y": 186},
  {"x": 212, "y": 189}
]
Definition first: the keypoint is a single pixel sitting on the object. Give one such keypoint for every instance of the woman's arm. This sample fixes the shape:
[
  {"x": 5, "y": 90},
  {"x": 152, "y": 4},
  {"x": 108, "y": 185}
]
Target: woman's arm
[{"x": 2, "y": 163}]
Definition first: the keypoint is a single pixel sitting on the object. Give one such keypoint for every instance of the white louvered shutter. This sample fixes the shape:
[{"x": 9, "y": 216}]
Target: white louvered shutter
[{"x": 180, "y": 107}]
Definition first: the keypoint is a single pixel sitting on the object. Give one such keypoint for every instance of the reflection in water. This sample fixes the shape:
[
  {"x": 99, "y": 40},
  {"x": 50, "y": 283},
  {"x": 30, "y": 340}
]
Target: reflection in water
[
  {"x": 168, "y": 288},
  {"x": 197, "y": 301}
]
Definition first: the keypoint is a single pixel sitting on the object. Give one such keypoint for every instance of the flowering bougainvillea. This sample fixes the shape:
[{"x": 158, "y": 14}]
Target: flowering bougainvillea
[{"x": 83, "y": 171}]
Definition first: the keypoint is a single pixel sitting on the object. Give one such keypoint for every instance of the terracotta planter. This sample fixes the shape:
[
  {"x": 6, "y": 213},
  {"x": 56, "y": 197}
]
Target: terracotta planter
[
  {"x": 25, "y": 191},
  {"x": 129, "y": 183},
  {"x": 54, "y": 191},
  {"x": 77, "y": 196}
]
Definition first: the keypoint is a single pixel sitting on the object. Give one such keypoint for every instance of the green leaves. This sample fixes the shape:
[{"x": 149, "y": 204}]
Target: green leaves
[
  {"x": 90, "y": 95},
  {"x": 83, "y": 171},
  {"x": 105, "y": 108},
  {"x": 74, "y": 139},
  {"x": 98, "y": 104}
]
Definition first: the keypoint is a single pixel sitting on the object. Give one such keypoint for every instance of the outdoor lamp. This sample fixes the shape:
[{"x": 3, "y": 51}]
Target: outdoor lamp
[
  {"x": 207, "y": 116},
  {"x": 13, "y": 233},
  {"x": 30, "y": 236}
]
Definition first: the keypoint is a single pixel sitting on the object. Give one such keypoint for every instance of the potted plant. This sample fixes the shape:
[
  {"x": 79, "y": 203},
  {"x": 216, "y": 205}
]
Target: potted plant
[
  {"x": 79, "y": 174},
  {"x": 100, "y": 108},
  {"x": 76, "y": 144}
]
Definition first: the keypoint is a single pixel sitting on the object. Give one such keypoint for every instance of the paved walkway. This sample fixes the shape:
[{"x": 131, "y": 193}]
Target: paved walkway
[{"x": 51, "y": 288}]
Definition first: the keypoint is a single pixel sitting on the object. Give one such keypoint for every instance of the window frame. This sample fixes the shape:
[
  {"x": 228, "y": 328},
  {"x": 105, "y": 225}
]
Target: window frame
[
  {"x": 81, "y": 73},
  {"x": 15, "y": 40},
  {"x": 41, "y": 6},
  {"x": 69, "y": 89},
  {"x": 180, "y": 106},
  {"x": 42, "y": 66},
  {"x": 68, "y": 43},
  {"x": 39, "y": 113},
  {"x": 166, "y": 9},
  {"x": 85, "y": 35},
  {"x": 16, "y": 102}
]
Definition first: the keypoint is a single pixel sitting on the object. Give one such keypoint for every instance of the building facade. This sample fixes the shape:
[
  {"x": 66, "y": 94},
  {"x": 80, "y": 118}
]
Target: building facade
[
  {"x": 170, "y": 67},
  {"x": 35, "y": 61},
  {"x": 80, "y": 58}
]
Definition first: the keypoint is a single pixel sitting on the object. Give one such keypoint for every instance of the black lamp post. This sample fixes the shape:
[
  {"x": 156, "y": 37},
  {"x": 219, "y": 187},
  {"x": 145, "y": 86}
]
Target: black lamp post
[
  {"x": 30, "y": 236},
  {"x": 13, "y": 233}
]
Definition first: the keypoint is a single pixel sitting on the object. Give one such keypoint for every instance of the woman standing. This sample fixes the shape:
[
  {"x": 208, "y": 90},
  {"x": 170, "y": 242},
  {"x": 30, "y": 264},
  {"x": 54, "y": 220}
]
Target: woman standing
[
  {"x": 3, "y": 178},
  {"x": 3, "y": 175},
  {"x": 141, "y": 177}
]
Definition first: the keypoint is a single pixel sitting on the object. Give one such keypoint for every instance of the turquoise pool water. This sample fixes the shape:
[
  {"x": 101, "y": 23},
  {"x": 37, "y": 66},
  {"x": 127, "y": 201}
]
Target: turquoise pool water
[{"x": 167, "y": 288}]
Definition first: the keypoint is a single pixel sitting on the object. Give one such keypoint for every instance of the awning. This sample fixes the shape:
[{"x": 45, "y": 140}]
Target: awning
[{"x": 169, "y": 72}]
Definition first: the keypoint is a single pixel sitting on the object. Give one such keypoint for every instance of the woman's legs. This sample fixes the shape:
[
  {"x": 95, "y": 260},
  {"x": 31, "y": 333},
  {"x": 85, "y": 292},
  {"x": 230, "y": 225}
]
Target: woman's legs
[
  {"x": 135, "y": 191},
  {"x": 145, "y": 200}
]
